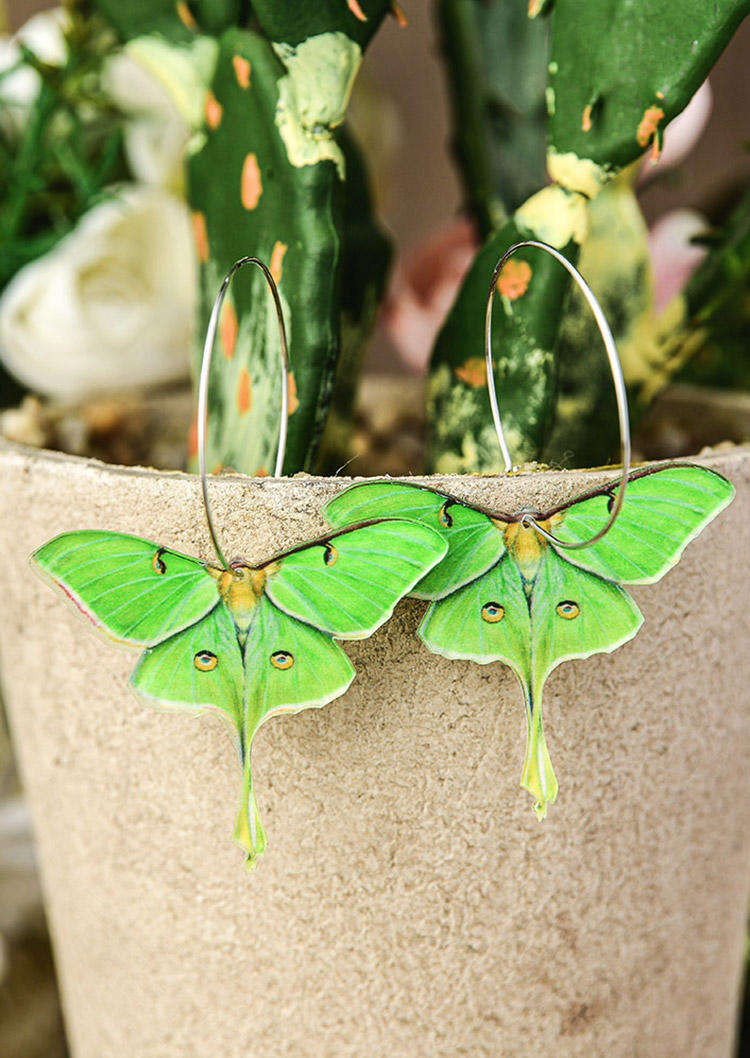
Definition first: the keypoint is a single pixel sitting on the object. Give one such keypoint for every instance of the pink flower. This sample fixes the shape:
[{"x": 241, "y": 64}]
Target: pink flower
[
  {"x": 423, "y": 289},
  {"x": 673, "y": 257}
]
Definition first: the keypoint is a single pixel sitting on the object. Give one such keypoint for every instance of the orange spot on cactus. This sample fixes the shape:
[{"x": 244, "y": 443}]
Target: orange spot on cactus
[
  {"x": 251, "y": 187},
  {"x": 185, "y": 15},
  {"x": 659, "y": 95},
  {"x": 399, "y": 15},
  {"x": 244, "y": 393},
  {"x": 213, "y": 110},
  {"x": 649, "y": 125},
  {"x": 192, "y": 441},
  {"x": 277, "y": 260},
  {"x": 586, "y": 119},
  {"x": 535, "y": 6},
  {"x": 356, "y": 10},
  {"x": 241, "y": 71},
  {"x": 228, "y": 328},
  {"x": 261, "y": 472},
  {"x": 200, "y": 236},
  {"x": 473, "y": 372},
  {"x": 293, "y": 401},
  {"x": 514, "y": 279}
]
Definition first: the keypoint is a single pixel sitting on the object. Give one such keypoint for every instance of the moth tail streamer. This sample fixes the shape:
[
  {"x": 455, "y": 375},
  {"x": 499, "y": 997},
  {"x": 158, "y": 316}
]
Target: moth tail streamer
[
  {"x": 538, "y": 774},
  {"x": 248, "y": 828}
]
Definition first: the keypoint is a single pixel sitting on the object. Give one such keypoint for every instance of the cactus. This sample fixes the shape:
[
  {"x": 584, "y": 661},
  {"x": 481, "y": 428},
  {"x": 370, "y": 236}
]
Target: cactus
[
  {"x": 496, "y": 65},
  {"x": 177, "y": 20},
  {"x": 281, "y": 195},
  {"x": 620, "y": 70},
  {"x": 531, "y": 290},
  {"x": 269, "y": 179},
  {"x": 295, "y": 21},
  {"x": 365, "y": 257},
  {"x": 615, "y": 260}
]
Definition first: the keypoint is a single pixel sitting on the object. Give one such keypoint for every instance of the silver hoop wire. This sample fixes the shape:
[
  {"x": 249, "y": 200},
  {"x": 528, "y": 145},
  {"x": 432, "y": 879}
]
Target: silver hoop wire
[
  {"x": 617, "y": 378},
  {"x": 208, "y": 350}
]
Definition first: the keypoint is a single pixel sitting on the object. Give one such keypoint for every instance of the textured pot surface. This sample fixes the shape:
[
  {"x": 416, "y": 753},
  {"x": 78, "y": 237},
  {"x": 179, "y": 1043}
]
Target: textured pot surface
[{"x": 409, "y": 903}]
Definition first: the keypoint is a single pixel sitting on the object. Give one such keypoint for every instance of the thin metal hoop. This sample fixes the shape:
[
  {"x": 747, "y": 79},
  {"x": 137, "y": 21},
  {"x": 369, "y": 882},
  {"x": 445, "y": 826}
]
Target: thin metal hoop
[
  {"x": 617, "y": 378},
  {"x": 208, "y": 350}
]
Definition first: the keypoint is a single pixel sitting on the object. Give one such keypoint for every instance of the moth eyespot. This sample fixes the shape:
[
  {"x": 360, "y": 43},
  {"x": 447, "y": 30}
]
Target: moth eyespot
[
  {"x": 282, "y": 659},
  {"x": 445, "y": 519},
  {"x": 330, "y": 555},
  {"x": 492, "y": 612},
  {"x": 205, "y": 661},
  {"x": 158, "y": 564},
  {"x": 567, "y": 609}
]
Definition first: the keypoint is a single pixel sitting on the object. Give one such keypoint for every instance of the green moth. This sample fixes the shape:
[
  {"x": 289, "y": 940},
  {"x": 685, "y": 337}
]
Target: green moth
[
  {"x": 248, "y": 641},
  {"x": 504, "y": 593}
]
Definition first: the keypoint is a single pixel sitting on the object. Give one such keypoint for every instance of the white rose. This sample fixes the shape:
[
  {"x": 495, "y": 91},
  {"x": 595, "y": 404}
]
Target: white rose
[
  {"x": 161, "y": 88},
  {"x": 111, "y": 306},
  {"x": 44, "y": 34}
]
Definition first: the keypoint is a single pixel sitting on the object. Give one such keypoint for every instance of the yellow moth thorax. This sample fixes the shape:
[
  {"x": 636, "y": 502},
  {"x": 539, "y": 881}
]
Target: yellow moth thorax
[
  {"x": 525, "y": 545},
  {"x": 241, "y": 589}
]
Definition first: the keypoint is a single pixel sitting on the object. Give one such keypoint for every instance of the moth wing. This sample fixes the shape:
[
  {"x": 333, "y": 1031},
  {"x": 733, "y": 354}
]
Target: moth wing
[
  {"x": 474, "y": 543},
  {"x": 664, "y": 509},
  {"x": 348, "y": 584},
  {"x": 290, "y": 666},
  {"x": 197, "y": 669},
  {"x": 132, "y": 589},
  {"x": 486, "y": 620},
  {"x": 574, "y": 614}
]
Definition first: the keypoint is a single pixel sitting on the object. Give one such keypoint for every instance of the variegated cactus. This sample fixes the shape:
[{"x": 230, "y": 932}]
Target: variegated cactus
[
  {"x": 269, "y": 178},
  {"x": 617, "y": 71},
  {"x": 530, "y": 295}
]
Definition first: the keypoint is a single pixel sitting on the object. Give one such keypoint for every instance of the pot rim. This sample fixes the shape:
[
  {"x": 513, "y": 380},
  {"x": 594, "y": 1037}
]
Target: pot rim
[{"x": 706, "y": 457}]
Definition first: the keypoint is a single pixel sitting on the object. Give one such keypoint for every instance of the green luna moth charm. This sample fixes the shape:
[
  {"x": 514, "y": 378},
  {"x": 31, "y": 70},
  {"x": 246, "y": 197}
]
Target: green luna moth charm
[
  {"x": 250, "y": 641},
  {"x": 536, "y": 588},
  {"x": 505, "y": 593}
]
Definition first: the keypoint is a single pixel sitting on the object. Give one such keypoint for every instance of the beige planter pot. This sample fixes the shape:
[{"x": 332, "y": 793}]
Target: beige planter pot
[{"x": 409, "y": 903}]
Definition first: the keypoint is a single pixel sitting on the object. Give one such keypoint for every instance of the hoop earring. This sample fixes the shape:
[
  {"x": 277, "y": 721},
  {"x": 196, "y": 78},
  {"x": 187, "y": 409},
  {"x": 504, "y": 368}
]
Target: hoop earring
[
  {"x": 203, "y": 381},
  {"x": 615, "y": 367},
  {"x": 249, "y": 641},
  {"x": 510, "y": 589}
]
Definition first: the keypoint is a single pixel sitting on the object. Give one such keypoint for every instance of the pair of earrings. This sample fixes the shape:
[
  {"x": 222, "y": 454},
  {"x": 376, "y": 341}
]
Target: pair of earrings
[{"x": 529, "y": 588}]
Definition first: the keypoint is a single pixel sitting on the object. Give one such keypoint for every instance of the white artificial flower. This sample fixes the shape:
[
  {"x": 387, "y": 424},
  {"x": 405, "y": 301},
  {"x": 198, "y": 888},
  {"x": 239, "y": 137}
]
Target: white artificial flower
[
  {"x": 155, "y": 134},
  {"x": 111, "y": 306},
  {"x": 44, "y": 34},
  {"x": 161, "y": 88}
]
